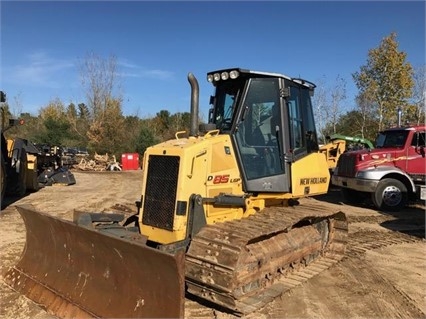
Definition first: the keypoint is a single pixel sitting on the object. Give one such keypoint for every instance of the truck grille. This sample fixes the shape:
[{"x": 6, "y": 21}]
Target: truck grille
[
  {"x": 160, "y": 192},
  {"x": 346, "y": 165}
]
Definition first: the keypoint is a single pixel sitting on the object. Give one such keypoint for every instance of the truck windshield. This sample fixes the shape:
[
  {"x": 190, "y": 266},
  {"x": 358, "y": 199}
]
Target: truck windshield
[{"x": 391, "y": 139}]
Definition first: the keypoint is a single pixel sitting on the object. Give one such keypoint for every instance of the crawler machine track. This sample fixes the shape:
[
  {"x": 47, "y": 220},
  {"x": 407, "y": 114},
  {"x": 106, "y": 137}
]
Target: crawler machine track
[{"x": 243, "y": 264}]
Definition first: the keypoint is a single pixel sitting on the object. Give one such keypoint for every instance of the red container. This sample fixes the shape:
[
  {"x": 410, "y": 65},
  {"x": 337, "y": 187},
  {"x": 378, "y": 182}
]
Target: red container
[{"x": 130, "y": 161}]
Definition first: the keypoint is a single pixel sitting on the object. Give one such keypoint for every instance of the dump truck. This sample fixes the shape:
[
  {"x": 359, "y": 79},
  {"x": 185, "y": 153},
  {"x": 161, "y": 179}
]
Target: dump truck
[
  {"x": 219, "y": 217},
  {"x": 392, "y": 174},
  {"x": 338, "y": 144}
]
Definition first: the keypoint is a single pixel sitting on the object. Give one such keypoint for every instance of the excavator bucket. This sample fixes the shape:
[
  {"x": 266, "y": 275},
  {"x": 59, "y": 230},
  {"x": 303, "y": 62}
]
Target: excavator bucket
[
  {"x": 78, "y": 272},
  {"x": 61, "y": 176}
]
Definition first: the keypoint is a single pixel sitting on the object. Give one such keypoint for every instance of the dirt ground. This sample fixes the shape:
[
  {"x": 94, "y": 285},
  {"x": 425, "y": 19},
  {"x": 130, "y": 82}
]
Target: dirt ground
[{"x": 382, "y": 276}]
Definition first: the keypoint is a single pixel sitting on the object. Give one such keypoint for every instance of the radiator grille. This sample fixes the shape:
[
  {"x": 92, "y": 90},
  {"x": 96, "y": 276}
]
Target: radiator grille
[
  {"x": 346, "y": 165},
  {"x": 160, "y": 192}
]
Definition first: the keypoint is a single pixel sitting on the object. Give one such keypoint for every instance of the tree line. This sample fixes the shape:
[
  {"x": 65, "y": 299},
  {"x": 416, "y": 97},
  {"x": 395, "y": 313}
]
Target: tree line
[{"x": 386, "y": 84}]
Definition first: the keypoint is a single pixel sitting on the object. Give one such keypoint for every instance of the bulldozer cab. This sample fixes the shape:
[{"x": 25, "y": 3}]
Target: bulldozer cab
[{"x": 270, "y": 120}]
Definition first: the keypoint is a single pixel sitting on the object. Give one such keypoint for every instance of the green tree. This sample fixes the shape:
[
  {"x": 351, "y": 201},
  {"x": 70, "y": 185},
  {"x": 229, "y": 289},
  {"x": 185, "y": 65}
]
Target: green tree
[
  {"x": 385, "y": 81},
  {"x": 78, "y": 128},
  {"x": 145, "y": 139},
  {"x": 162, "y": 125},
  {"x": 55, "y": 129},
  {"x": 72, "y": 110},
  {"x": 354, "y": 123},
  {"x": 56, "y": 132},
  {"x": 83, "y": 111}
]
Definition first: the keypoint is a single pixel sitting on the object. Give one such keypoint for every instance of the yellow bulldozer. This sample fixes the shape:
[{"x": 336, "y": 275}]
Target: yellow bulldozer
[
  {"x": 18, "y": 165},
  {"x": 219, "y": 218},
  {"x": 24, "y": 166}
]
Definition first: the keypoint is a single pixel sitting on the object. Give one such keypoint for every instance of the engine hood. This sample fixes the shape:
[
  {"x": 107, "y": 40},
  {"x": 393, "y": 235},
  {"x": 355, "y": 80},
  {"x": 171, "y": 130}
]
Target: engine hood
[{"x": 377, "y": 157}]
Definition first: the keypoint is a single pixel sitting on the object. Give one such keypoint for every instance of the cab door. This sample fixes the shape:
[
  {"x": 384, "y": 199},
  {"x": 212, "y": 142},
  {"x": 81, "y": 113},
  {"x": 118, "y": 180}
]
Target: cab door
[
  {"x": 416, "y": 161},
  {"x": 259, "y": 137}
]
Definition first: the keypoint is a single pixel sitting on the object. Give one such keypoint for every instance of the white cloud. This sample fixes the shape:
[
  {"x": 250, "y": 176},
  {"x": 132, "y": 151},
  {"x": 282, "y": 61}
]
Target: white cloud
[
  {"x": 129, "y": 69},
  {"x": 158, "y": 74},
  {"x": 40, "y": 70}
]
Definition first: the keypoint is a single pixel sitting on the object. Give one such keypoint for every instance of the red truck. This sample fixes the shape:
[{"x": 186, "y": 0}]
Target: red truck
[{"x": 393, "y": 173}]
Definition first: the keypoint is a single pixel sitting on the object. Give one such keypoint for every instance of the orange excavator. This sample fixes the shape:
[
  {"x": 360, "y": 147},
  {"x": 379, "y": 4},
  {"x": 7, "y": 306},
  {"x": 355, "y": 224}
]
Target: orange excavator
[{"x": 218, "y": 215}]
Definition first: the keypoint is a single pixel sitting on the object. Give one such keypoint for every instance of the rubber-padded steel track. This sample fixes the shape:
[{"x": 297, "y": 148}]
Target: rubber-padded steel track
[{"x": 243, "y": 264}]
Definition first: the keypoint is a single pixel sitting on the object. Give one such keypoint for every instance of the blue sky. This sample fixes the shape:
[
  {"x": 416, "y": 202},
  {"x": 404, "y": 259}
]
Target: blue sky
[{"x": 157, "y": 43}]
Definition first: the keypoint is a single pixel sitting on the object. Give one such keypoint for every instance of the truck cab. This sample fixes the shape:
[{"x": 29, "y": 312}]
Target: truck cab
[{"x": 392, "y": 173}]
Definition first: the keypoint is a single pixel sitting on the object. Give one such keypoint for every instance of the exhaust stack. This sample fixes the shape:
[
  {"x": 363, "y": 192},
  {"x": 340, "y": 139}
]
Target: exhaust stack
[
  {"x": 195, "y": 92},
  {"x": 399, "y": 117}
]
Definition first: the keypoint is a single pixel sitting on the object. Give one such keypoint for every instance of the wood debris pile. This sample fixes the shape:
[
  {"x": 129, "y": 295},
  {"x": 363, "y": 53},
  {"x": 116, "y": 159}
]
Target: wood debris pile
[{"x": 99, "y": 163}]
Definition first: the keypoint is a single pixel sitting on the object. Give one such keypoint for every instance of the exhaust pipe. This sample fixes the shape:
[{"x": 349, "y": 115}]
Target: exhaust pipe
[
  {"x": 195, "y": 92},
  {"x": 399, "y": 116}
]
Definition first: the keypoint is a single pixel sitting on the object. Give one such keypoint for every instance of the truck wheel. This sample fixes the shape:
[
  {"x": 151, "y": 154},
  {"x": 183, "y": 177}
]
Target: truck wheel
[{"x": 390, "y": 194}]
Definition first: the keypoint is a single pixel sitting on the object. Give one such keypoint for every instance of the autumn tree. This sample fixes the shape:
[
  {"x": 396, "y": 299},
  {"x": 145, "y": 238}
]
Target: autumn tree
[
  {"x": 181, "y": 121},
  {"x": 109, "y": 135},
  {"x": 11, "y": 109},
  {"x": 5, "y": 116},
  {"x": 366, "y": 119},
  {"x": 338, "y": 96},
  {"x": 385, "y": 82},
  {"x": 78, "y": 127},
  {"x": 328, "y": 106},
  {"x": 417, "y": 109},
  {"x": 319, "y": 102},
  {"x": 162, "y": 125},
  {"x": 100, "y": 81}
]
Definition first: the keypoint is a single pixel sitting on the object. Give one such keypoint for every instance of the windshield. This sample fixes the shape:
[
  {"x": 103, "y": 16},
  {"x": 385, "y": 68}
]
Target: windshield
[
  {"x": 391, "y": 139},
  {"x": 225, "y": 106}
]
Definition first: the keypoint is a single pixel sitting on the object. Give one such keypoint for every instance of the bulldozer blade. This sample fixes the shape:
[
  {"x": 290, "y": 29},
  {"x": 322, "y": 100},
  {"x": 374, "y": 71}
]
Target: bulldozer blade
[{"x": 78, "y": 272}]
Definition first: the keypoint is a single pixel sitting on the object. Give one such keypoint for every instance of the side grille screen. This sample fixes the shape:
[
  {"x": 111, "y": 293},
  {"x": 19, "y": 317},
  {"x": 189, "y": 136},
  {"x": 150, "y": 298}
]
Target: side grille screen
[{"x": 160, "y": 193}]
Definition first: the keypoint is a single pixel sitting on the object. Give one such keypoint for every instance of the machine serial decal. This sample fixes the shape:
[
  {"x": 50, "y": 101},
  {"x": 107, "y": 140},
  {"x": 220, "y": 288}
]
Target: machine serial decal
[
  {"x": 222, "y": 179},
  {"x": 313, "y": 180}
]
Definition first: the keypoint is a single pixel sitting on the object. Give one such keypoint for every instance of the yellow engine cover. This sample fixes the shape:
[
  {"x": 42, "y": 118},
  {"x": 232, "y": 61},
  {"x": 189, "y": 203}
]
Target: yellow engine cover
[{"x": 207, "y": 166}]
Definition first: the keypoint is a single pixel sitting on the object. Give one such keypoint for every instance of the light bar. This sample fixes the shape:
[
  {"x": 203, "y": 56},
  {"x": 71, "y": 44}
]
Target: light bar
[
  {"x": 225, "y": 75},
  {"x": 234, "y": 74}
]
